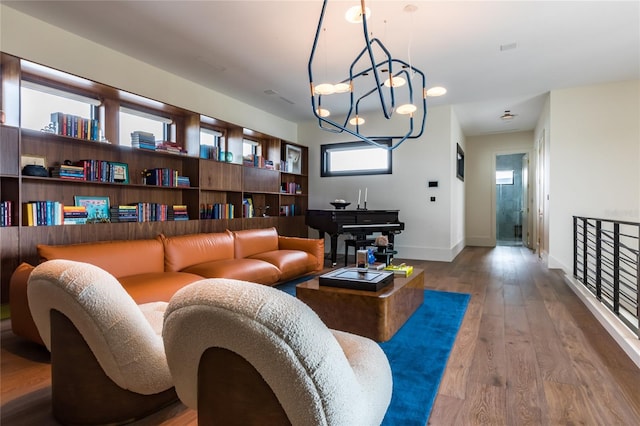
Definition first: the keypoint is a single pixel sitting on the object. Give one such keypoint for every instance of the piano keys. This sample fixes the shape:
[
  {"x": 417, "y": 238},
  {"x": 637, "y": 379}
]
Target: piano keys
[{"x": 359, "y": 223}]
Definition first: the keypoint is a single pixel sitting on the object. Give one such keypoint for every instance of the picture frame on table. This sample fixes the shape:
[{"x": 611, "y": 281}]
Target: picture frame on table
[
  {"x": 98, "y": 208},
  {"x": 120, "y": 172},
  {"x": 293, "y": 158}
]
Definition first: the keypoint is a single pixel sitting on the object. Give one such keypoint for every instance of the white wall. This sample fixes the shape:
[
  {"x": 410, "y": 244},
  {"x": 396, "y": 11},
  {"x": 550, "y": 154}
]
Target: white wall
[
  {"x": 480, "y": 195},
  {"x": 37, "y": 41},
  {"x": 433, "y": 230},
  {"x": 594, "y": 161}
]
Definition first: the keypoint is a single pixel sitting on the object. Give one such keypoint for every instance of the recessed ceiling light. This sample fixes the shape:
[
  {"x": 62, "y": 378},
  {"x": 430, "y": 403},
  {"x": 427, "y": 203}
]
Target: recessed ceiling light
[
  {"x": 507, "y": 115},
  {"x": 508, "y": 46},
  {"x": 436, "y": 91}
]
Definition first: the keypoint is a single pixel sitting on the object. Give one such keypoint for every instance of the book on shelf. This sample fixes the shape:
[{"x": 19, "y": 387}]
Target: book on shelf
[
  {"x": 402, "y": 270},
  {"x": 6, "y": 213}
]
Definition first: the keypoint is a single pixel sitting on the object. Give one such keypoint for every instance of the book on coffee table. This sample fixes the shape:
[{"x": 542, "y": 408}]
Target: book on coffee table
[
  {"x": 402, "y": 270},
  {"x": 357, "y": 279}
]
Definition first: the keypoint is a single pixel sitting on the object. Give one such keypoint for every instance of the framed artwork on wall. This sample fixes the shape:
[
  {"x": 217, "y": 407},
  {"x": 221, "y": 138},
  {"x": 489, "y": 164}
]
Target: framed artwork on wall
[{"x": 459, "y": 162}]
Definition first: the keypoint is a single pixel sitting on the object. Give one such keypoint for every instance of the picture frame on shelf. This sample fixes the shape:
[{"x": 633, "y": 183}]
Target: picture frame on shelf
[
  {"x": 97, "y": 207},
  {"x": 293, "y": 156},
  {"x": 32, "y": 160},
  {"x": 120, "y": 172}
]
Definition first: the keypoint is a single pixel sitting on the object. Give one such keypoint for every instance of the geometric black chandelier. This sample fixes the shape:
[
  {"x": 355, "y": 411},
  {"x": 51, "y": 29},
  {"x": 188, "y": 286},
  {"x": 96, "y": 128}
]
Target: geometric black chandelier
[{"x": 374, "y": 78}]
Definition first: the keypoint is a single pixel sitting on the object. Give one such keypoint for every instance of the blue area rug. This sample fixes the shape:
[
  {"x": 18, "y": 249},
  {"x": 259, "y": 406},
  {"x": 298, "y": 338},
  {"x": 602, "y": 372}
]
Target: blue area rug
[{"x": 418, "y": 354}]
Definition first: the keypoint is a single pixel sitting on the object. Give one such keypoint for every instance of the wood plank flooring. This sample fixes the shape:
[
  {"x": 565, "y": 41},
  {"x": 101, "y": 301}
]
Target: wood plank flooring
[{"x": 528, "y": 353}]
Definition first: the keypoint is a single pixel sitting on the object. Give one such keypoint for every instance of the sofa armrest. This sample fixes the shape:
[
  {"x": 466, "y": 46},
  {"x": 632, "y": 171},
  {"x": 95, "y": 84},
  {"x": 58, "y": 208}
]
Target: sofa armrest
[
  {"x": 312, "y": 246},
  {"x": 21, "y": 321}
]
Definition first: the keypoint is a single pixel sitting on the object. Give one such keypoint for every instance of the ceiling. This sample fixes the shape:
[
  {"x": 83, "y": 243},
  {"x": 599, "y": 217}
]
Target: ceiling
[{"x": 258, "y": 51}]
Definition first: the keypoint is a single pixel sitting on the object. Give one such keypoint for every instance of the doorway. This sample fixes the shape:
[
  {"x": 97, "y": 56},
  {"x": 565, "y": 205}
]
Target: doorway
[{"x": 511, "y": 195}]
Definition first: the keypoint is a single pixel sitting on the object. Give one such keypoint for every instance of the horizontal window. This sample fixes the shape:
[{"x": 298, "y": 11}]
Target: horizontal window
[
  {"x": 38, "y": 102},
  {"x": 355, "y": 158}
]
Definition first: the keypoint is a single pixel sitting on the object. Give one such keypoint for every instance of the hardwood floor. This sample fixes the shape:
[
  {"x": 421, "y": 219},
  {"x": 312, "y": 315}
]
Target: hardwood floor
[{"x": 528, "y": 352}]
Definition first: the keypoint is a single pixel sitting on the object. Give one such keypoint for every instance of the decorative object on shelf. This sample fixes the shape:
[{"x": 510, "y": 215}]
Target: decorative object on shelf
[
  {"x": 34, "y": 165},
  {"x": 369, "y": 82},
  {"x": 293, "y": 160},
  {"x": 98, "y": 208},
  {"x": 120, "y": 172},
  {"x": 340, "y": 204}
]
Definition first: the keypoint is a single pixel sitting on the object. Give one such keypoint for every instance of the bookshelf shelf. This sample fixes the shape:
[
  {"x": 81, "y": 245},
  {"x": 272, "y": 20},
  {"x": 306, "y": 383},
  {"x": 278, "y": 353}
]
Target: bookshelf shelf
[{"x": 211, "y": 182}]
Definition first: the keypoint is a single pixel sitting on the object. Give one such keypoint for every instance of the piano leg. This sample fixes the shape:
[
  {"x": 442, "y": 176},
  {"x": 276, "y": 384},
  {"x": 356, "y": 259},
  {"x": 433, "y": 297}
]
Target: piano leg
[{"x": 334, "y": 249}]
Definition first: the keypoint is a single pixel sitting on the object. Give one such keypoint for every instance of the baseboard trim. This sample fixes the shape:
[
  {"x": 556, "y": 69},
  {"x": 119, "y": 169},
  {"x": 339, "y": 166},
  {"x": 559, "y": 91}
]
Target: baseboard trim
[{"x": 629, "y": 342}]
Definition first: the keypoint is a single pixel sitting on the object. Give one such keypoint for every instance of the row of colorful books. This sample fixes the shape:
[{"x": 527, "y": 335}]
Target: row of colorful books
[
  {"x": 258, "y": 161},
  {"x": 148, "y": 212},
  {"x": 75, "y": 126},
  {"x": 217, "y": 211},
  {"x": 6, "y": 213},
  {"x": 93, "y": 170},
  {"x": 290, "y": 188},
  {"x": 165, "y": 177},
  {"x": 288, "y": 210},
  {"x": 47, "y": 213}
]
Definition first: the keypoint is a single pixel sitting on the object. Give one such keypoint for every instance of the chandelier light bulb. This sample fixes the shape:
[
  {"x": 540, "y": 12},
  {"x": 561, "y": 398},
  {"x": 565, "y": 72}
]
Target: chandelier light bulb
[
  {"x": 436, "y": 91},
  {"x": 354, "y": 14},
  {"x": 406, "y": 109},
  {"x": 356, "y": 121},
  {"x": 341, "y": 88},
  {"x": 397, "y": 81},
  {"x": 322, "y": 112},
  {"x": 324, "y": 89}
]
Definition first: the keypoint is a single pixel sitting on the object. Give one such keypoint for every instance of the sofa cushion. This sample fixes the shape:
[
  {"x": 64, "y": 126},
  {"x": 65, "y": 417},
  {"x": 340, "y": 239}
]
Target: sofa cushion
[
  {"x": 156, "y": 286},
  {"x": 291, "y": 263},
  {"x": 253, "y": 270},
  {"x": 183, "y": 251},
  {"x": 253, "y": 241},
  {"x": 119, "y": 258}
]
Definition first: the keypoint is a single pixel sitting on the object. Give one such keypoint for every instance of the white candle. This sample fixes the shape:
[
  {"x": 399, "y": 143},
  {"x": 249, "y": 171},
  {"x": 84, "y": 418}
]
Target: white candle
[
  {"x": 359, "y": 192},
  {"x": 365, "y": 195}
]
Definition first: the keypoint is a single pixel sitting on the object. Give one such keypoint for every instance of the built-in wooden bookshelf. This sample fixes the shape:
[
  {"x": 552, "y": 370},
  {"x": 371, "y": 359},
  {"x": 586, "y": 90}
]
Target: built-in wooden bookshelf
[{"x": 279, "y": 195}]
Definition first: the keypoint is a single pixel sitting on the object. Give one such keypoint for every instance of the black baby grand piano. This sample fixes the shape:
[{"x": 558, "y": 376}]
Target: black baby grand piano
[{"x": 359, "y": 223}]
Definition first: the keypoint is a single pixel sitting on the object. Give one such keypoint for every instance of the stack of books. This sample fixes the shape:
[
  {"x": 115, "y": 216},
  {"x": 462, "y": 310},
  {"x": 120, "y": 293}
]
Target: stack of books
[
  {"x": 75, "y": 215},
  {"x": 178, "y": 212},
  {"x": 124, "y": 213},
  {"x": 64, "y": 171},
  {"x": 171, "y": 148},
  {"x": 143, "y": 140},
  {"x": 402, "y": 270}
]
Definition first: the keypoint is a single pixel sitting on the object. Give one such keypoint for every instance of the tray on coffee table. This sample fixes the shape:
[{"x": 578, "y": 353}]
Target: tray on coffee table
[{"x": 356, "y": 279}]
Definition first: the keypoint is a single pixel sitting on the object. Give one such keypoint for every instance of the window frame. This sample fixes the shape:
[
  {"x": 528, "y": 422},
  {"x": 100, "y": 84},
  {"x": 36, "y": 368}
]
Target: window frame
[{"x": 325, "y": 166}]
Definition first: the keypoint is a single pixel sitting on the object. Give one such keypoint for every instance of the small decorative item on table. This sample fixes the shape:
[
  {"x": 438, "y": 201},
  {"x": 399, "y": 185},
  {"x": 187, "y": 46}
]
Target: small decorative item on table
[{"x": 340, "y": 204}]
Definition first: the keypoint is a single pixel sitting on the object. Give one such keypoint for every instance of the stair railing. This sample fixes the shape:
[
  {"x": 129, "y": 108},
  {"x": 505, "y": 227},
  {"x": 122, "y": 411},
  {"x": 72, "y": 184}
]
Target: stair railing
[{"x": 606, "y": 260}]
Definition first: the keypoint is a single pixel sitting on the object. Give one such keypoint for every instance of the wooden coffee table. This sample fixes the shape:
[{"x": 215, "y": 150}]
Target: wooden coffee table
[{"x": 373, "y": 314}]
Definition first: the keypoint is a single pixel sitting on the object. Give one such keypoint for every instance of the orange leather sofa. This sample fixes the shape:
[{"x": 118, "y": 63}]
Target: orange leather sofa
[{"x": 154, "y": 269}]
